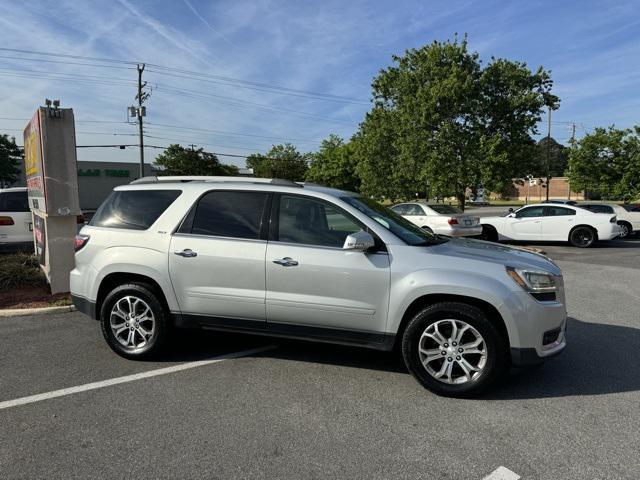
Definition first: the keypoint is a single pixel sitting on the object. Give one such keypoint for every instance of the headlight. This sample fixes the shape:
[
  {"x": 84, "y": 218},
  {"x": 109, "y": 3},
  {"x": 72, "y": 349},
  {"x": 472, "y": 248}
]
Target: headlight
[{"x": 532, "y": 280}]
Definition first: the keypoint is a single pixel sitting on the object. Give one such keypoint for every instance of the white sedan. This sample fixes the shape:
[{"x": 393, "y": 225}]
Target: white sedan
[
  {"x": 552, "y": 222},
  {"x": 440, "y": 219},
  {"x": 15, "y": 219},
  {"x": 628, "y": 218}
]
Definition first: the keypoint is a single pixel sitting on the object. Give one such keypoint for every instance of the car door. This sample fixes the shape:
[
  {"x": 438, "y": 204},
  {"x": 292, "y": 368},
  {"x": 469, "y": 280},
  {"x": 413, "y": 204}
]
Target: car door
[
  {"x": 557, "y": 223},
  {"x": 217, "y": 257},
  {"x": 415, "y": 214},
  {"x": 311, "y": 280},
  {"x": 526, "y": 224}
]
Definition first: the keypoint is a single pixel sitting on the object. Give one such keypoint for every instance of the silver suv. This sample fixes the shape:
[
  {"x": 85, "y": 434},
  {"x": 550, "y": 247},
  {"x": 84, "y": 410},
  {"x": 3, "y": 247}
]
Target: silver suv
[{"x": 278, "y": 258}]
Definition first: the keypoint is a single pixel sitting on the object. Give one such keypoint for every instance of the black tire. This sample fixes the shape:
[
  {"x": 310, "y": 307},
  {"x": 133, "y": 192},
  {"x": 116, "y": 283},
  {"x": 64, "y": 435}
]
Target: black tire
[
  {"x": 156, "y": 341},
  {"x": 582, "y": 237},
  {"x": 497, "y": 352},
  {"x": 627, "y": 230},
  {"x": 489, "y": 233}
]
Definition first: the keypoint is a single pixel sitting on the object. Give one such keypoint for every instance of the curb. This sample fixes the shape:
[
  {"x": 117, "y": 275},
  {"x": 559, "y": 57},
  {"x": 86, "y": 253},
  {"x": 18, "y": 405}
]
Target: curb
[{"x": 19, "y": 312}]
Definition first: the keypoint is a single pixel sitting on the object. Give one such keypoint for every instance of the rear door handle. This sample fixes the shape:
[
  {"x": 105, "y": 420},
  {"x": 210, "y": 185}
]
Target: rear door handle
[
  {"x": 286, "y": 262},
  {"x": 187, "y": 253}
]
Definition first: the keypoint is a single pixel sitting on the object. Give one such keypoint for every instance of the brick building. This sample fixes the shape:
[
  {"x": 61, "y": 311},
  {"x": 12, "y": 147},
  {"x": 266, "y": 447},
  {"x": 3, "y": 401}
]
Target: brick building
[{"x": 536, "y": 190}]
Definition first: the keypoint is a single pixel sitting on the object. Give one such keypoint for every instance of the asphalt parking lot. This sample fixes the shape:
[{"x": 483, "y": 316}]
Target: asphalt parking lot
[{"x": 302, "y": 410}]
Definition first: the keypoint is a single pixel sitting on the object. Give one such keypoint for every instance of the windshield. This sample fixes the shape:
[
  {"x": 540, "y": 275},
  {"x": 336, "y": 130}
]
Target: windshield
[
  {"x": 445, "y": 209},
  {"x": 407, "y": 231}
]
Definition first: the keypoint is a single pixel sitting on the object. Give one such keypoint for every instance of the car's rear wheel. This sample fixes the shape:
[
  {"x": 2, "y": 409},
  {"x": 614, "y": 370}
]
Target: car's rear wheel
[
  {"x": 582, "y": 237},
  {"x": 427, "y": 229},
  {"x": 489, "y": 233},
  {"x": 626, "y": 230},
  {"x": 134, "y": 322},
  {"x": 453, "y": 349}
]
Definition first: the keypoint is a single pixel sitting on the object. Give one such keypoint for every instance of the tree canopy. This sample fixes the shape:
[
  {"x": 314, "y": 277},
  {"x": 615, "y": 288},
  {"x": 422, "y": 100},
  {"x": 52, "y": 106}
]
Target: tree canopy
[
  {"x": 282, "y": 161},
  {"x": 607, "y": 162},
  {"x": 177, "y": 160},
  {"x": 10, "y": 158},
  {"x": 440, "y": 116},
  {"x": 334, "y": 165}
]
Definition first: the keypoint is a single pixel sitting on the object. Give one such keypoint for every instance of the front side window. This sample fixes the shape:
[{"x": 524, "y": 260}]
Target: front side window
[
  {"x": 133, "y": 209},
  {"x": 530, "y": 212},
  {"x": 228, "y": 214},
  {"x": 559, "y": 211},
  {"x": 401, "y": 227},
  {"x": 311, "y": 222},
  {"x": 14, "y": 202}
]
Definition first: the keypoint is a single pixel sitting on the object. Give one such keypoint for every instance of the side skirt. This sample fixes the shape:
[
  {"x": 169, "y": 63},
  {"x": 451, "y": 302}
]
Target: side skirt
[{"x": 366, "y": 339}]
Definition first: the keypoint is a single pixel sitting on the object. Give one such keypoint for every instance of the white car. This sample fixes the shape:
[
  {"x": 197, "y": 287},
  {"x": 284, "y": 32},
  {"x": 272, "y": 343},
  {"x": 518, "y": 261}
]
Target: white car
[
  {"x": 15, "y": 219},
  {"x": 439, "y": 219},
  {"x": 628, "y": 219},
  {"x": 554, "y": 223}
]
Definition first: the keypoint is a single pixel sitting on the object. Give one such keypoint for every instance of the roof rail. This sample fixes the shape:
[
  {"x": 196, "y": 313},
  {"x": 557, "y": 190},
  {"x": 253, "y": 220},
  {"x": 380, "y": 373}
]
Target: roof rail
[{"x": 221, "y": 179}]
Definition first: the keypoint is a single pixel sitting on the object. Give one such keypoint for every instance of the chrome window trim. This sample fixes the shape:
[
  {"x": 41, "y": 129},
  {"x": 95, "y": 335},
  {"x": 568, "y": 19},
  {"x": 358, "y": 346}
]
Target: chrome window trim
[{"x": 239, "y": 239}]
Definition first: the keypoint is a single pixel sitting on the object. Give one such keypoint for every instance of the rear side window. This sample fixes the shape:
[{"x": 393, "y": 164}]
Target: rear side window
[
  {"x": 599, "y": 208},
  {"x": 133, "y": 209},
  {"x": 559, "y": 211},
  {"x": 14, "y": 202},
  {"x": 445, "y": 209},
  {"x": 227, "y": 214}
]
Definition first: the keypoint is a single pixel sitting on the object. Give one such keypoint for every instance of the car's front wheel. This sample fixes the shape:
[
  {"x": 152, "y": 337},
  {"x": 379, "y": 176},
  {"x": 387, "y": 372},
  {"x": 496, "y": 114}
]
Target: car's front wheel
[
  {"x": 134, "y": 322},
  {"x": 453, "y": 349}
]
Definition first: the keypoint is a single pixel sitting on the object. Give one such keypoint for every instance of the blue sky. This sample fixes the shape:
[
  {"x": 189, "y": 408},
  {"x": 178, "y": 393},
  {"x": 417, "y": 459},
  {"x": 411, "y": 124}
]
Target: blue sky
[{"x": 328, "y": 47}]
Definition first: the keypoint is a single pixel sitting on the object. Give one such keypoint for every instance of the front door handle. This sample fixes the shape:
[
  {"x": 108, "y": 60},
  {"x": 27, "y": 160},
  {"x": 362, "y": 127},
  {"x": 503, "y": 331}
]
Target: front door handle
[
  {"x": 286, "y": 262},
  {"x": 187, "y": 253}
]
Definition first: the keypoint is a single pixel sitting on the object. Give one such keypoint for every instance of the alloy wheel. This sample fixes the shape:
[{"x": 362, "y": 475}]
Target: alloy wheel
[
  {"x": 582, "y": 237},
  {"x": 452, "y": 351},
  {"x": 132, "y": 322}
]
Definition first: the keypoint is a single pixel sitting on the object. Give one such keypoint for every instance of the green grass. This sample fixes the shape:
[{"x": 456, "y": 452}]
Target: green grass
[{"x": 20, "y": 270}]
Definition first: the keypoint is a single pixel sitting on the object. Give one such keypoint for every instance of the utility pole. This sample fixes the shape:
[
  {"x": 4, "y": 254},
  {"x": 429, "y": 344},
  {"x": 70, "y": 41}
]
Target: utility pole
[
  {"x": 548, "y": 151},
  {"x": 573, "y": 139},
  {"x": 141, "y": 112}
]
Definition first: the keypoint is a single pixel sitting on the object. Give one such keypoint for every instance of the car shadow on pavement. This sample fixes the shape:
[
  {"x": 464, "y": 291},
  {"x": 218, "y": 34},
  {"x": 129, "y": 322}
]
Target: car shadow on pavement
[{"x": 599, "y": 359}]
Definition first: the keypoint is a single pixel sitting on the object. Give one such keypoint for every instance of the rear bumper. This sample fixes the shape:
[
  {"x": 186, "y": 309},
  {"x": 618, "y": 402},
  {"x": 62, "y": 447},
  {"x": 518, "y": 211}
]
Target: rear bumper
[
  {"x": 460, "y": 232},
  {"x": 609, "y": 232},
  {"x": 85, "y": 306}
]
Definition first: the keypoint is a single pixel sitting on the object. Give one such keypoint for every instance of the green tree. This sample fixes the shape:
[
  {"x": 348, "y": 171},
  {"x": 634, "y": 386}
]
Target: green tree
[
  {"x": 177, "y": 160},
  {"x": 440, "y": 117},
  {"x": 607, "y": 162},
  {"x": 11, "y": 156},
  {"x": 282, "y": 161},
  {"x": 334, "y": 165}
]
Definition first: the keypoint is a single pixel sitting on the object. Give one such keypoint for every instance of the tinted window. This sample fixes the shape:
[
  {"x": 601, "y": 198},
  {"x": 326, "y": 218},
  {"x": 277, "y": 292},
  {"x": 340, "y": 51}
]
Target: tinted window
[
  {"x": 598, "y": 208},
  {"x": 530, "y": 212},
  {"x": 631, "y": 208},
  {"x": 310, "y": 222},
  {"x": 133, "y": 209},
  {"x": 445, "y": 209},
  {"x": 559, "y": 211},
  {"x": 414, "y": 209},
  {"x": 14, "y": 202},
  {"x": 229, "y": 214},
  {"x": 400, "y": 209}
]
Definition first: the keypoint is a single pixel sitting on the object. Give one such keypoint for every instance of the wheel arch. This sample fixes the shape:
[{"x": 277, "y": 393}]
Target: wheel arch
[
  {"x": 114, "y": 279},
  {"x": 492, "y": 313},
  {"x": 585, "y": 225}
]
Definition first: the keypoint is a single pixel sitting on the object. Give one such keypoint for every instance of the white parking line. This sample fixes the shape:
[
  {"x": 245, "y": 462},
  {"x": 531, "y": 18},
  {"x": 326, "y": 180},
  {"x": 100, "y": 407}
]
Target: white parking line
[
  {"x": 502, "y": 473},
  {"x": 129, "y": 378}
]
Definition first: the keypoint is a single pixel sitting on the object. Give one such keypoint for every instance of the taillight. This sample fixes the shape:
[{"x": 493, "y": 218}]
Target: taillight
[
  {"x": 452, "y": 221},
  {"x": 80, "y": 241},
  {"x": 6, "y": 221},
  {"x": 614, "y": 219}
]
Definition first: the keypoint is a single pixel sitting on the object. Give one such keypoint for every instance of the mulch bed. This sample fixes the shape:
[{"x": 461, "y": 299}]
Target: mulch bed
[{"x": 32, "y": 297}]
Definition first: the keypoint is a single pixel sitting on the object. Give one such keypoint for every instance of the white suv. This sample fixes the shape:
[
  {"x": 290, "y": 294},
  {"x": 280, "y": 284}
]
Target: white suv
[
  {"x": 16, "y": 229},
  {"x": 283, "y": 259}
]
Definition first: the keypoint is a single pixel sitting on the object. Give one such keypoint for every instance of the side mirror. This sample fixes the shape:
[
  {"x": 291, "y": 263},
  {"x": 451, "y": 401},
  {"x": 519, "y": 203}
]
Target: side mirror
[
  {"x": 510, "y": 209},
  {"x": 359, "y": 241}
]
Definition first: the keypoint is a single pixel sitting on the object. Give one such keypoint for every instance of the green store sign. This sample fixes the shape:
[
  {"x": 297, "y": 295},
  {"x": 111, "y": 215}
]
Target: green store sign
[{"x": 108, "y": 172}]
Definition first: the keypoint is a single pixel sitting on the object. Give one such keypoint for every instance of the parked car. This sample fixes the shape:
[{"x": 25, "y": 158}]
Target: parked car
[
  {"x": 552, "y": 222},
  {"x": 16, "y": 230},
  {"x": 440, "y": 219},
  {"x": 628, "y": 219},
  {"x": 631, "y": 207},
  {"x": 282, "y": 259}
]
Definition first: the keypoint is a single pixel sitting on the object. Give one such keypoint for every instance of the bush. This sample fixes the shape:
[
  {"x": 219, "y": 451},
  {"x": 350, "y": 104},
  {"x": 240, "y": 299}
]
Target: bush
[{"x": 20, "y": 270}]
